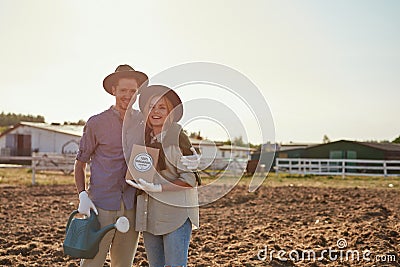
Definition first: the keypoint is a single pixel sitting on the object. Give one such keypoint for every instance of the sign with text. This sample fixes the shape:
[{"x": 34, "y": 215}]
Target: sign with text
[{"x": 142, "y": 163}]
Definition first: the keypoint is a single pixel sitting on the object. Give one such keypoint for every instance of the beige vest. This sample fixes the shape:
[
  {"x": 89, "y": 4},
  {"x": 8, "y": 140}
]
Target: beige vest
[{"x": 162, "y": 213}]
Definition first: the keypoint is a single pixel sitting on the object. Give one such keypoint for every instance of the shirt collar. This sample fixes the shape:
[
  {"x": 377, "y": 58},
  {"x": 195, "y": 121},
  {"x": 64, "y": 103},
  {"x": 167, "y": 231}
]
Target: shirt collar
[
  {"x": 158, "y": 137},
  {"x": 113, "y": 109}
]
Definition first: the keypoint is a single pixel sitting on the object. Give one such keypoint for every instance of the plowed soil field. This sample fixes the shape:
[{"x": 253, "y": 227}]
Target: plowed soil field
[{"x": 274, "y": 226}]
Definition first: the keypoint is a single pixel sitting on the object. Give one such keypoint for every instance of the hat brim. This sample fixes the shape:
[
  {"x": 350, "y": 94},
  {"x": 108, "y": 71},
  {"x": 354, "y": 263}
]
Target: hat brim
[
  {"x": 111, "y": 79},
  {"x": 160, "y": 90}
]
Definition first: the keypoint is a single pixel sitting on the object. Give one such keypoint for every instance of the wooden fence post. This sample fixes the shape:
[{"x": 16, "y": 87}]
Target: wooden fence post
[
  {"x": 33, "y": 168},
  {"x": 277, "y": 167}
]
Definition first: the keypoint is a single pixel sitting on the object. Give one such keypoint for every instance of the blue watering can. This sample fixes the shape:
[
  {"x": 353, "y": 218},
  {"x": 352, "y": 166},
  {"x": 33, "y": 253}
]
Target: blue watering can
[{"x": 83, "y": 235}]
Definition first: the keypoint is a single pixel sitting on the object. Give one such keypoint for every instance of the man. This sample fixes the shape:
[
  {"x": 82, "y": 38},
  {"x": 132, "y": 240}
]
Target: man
[{"x": 102, "y": 144}]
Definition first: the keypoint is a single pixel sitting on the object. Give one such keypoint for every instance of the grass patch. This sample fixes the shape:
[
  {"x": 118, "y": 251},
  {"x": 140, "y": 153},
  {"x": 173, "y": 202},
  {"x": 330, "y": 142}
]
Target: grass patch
[
  {"x": 21, "y": 176},
  {"x": 273, "y": 180},
  {"x": 332, "y": 181}
]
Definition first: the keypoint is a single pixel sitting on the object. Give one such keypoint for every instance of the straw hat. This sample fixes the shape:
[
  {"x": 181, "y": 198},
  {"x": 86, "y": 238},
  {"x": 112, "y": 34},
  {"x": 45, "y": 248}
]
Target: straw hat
[{"x": 123, "y": 71}]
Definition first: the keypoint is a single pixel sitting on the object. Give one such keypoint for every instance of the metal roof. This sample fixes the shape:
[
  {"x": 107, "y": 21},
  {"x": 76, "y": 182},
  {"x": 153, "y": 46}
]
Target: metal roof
[
  {"x": 239, "y": 148},
  {"x": 380, "y": 146},
  {"x": 75, "y": 130}
]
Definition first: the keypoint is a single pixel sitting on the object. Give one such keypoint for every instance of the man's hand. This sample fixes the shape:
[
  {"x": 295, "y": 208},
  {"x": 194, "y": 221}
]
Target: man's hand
[
  {"x": 85, "y": 204},
  {"x": 191, "y": 162},
  {"x": 145, "y": 186}
]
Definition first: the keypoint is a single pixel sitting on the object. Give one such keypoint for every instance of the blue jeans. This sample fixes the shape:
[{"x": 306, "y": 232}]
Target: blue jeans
[{"x": 170, "y": 249}]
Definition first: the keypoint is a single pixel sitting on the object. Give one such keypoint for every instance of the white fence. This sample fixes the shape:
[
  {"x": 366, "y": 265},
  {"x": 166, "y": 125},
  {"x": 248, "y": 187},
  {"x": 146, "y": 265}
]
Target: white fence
[
  {"x": 46, "y": 161},
  {"x": 226, "y": 166},
  {"x": 53, "y": 161},
  {"x": 344, "y": 167}
]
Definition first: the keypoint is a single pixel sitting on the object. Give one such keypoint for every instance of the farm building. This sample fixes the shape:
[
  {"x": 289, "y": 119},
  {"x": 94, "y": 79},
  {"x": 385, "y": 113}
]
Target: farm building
[
  {"x": 211, "y": 149},
  {"x": 237, "y": 152},
  {"x": 272, "y": 151},
  {"x": 344, "y": 149},
  {"x": 217, "y": 155},
  {"x": 207, "y": 148},
  {"x": 27, "y": 137}
]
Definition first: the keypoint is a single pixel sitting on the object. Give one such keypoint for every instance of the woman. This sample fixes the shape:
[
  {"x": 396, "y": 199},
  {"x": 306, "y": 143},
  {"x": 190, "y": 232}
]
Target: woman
[{"x": 168, "y": 208}]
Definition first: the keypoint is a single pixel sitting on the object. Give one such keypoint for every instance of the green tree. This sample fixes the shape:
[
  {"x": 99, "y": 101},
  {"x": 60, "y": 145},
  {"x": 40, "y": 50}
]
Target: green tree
[
  {"x": 238, "y": 141},
  {"x": 326, "y": 139},
  {"x": 12, "y": 118},
  {"x": 397, "y": 140},
  {"x": 80, "y": 122},
  {"x": 195, "y": 135}
]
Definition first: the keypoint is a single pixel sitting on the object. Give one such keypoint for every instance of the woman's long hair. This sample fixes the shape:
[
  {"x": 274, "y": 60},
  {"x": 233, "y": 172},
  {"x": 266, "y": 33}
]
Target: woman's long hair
[
  {"x": 149, "y": 129},
  {"x": 147, "y": 109}
]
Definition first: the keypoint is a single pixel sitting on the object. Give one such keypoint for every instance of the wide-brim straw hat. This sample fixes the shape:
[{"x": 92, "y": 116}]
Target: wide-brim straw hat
[
  {"x": 160, "y": 91},
  {"x": 124, "y": 71}
]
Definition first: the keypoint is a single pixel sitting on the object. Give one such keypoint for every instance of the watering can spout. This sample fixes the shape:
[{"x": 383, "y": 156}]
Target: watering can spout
[
  {"x": 122, "y": 225},
  {"x": 84, "y": 235},
  {"x": 98, "y": 236}
]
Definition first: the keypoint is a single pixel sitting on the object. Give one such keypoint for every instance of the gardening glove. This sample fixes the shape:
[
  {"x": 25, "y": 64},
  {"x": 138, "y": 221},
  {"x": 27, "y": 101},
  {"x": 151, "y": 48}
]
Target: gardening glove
[
  {"x": 145, "y": 186},
  {"x": 191, "y": 162},
  {"x": 132, "y": 183},
  {"x": 85, "y": 204}
]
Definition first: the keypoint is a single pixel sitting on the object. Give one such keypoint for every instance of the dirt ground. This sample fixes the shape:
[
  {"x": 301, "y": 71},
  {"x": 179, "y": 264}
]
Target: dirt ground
[{"x": 241, "y": 229}]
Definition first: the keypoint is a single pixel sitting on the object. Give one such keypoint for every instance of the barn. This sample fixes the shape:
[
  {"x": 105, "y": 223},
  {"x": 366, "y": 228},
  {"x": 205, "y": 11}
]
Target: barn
[
  {"x": 272, "y": 151},
  {"x": 344, "y": 149},
  {"x": 26, "y": 137}
]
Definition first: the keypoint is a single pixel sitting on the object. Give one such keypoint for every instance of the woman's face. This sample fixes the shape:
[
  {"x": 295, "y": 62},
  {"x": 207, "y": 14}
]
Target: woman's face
[{"x": 158, "y": 112}]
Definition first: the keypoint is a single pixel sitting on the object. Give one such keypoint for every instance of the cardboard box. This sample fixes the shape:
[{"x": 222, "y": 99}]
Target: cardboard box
[{"x": 142, "y": 163}]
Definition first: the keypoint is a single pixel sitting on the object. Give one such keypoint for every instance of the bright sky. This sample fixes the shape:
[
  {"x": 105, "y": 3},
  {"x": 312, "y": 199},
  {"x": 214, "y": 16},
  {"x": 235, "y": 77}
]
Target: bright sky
[{"x": 324, "y": 67}]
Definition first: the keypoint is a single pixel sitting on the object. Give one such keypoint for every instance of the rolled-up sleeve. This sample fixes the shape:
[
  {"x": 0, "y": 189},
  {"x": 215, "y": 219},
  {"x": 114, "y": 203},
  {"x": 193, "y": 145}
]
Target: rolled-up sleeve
[
  {"x": 88, "y": 143},
  {"x": 184, "y": 174},
  {"x": 189, "y": 178}
]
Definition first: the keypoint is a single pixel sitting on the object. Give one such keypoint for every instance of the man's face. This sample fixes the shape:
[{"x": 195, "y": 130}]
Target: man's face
[{"x": 124, "y": 91}]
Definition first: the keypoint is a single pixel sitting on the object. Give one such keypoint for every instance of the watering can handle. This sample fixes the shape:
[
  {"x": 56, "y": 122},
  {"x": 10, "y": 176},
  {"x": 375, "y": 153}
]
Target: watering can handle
[{"x": 70, "y": 219}]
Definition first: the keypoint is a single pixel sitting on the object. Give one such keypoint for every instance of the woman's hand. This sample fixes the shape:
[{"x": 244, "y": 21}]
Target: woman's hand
[{"x": 191, "y": 162}]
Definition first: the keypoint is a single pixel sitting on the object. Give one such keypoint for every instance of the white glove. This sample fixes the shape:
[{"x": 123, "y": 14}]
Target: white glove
[
  {"x": 85, "y": 204},
  {"x": 132, "y": 183},
  {"x": 145, "y": 186},
  {"x": 191, "y": 162}
]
